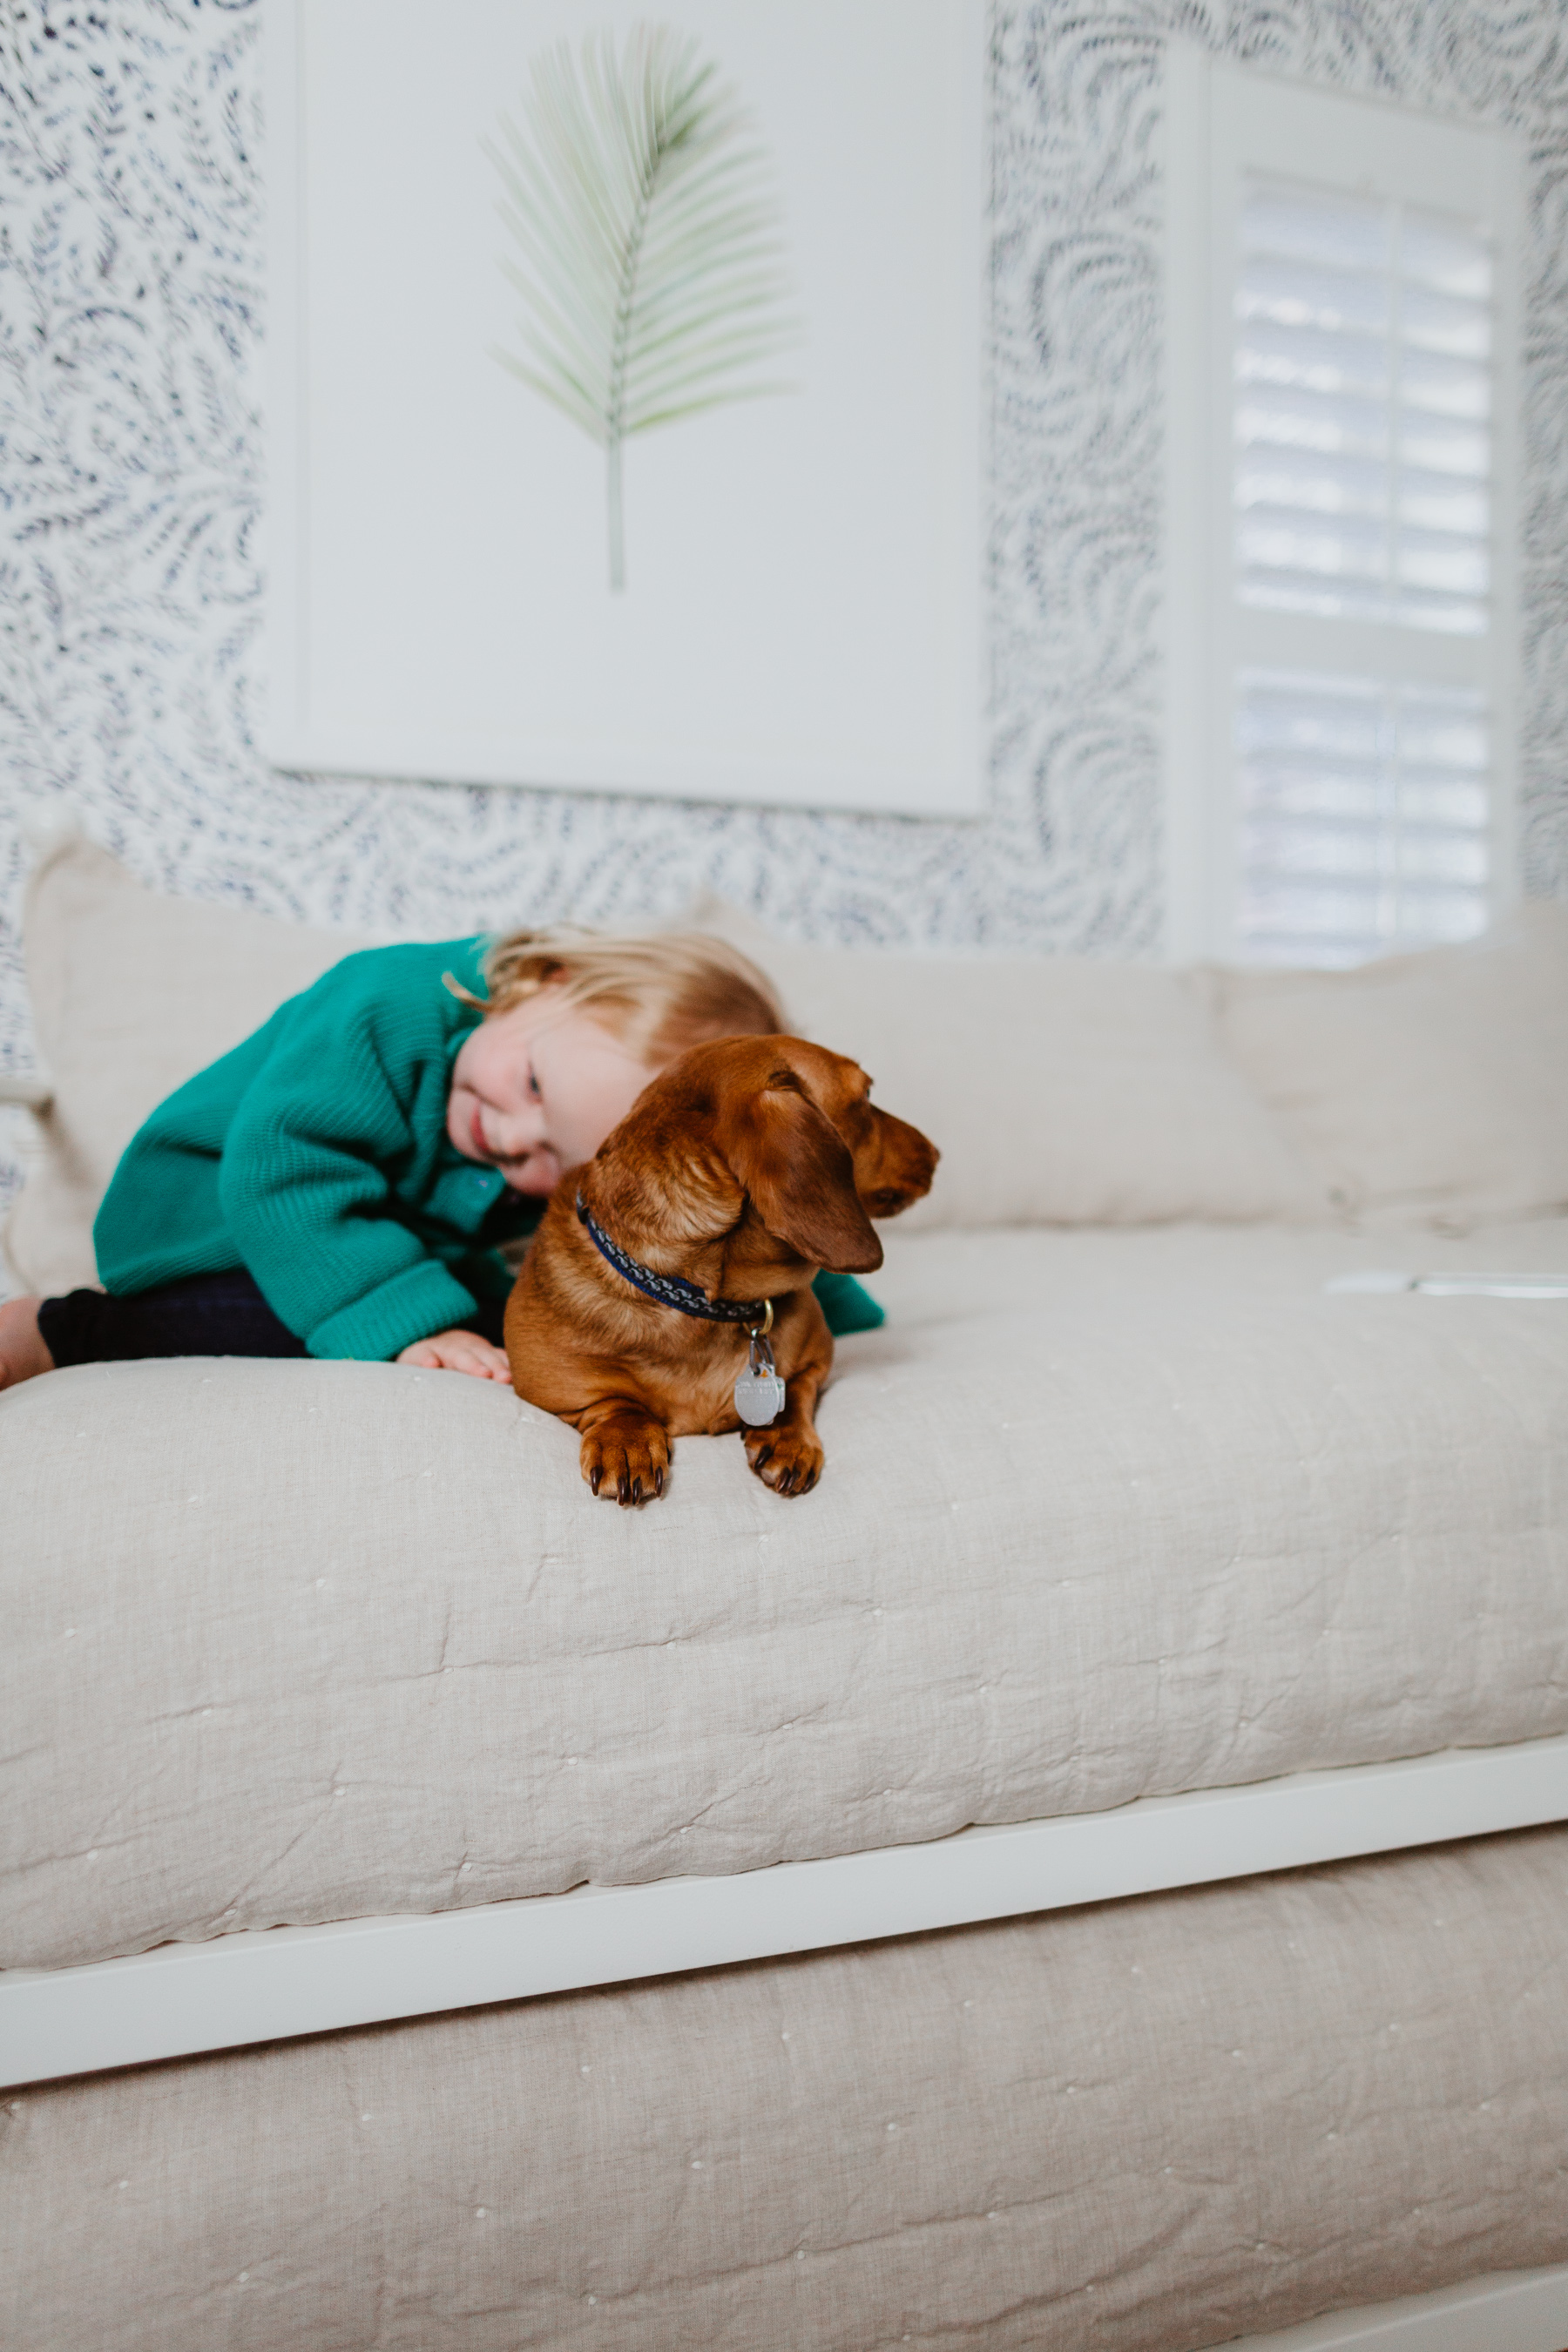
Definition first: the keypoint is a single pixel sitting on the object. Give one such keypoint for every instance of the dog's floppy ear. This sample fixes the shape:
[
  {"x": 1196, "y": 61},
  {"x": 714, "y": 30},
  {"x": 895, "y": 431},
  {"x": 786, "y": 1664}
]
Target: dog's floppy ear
[{"x": 801, "y": 1178}]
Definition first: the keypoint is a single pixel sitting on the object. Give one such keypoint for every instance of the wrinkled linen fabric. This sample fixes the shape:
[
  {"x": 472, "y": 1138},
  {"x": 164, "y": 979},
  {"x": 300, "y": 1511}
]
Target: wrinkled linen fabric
[
  {"x": 1152, "y": 2125},
  {"x": 1431, "y": 1086},
  {"x": 1104, "y": 1515}
]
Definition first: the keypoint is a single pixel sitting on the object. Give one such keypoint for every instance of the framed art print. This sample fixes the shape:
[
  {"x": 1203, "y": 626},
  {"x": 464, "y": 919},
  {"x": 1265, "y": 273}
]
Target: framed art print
[{"x": 626, "y": 397}]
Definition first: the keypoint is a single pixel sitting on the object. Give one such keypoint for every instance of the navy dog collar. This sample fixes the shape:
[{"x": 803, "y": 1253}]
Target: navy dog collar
[{"x": 671, "y": 1289}]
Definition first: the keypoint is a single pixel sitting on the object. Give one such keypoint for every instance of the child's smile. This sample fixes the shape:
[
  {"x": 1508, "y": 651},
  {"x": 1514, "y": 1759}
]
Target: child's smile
[{"x": 536, "y": 1090}]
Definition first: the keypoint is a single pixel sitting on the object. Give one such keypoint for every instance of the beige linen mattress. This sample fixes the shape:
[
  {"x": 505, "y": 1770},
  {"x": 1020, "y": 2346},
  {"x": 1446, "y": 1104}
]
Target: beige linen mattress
[
  {"x": 1144, "y": 2126},
  {"x": 1105, "y": 1515}
]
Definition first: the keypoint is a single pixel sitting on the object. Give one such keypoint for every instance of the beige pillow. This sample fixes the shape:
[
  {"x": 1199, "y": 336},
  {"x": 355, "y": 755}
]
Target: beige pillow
[
  {"x": 1059, "y": 1091},
  {"x": 132, "y": 994},
  {"x": 1432, "y": 1086}
]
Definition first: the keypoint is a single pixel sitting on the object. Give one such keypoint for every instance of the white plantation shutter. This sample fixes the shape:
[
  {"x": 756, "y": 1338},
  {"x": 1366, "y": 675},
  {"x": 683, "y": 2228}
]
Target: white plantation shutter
[
  {"x": 1365, "y": 816},
  {"x": 1363, "y": 390},
  {"x": 1341, "y": 325}
]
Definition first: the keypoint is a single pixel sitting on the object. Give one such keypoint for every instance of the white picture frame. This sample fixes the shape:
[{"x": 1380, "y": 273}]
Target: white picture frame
[{"x": 801, "y": 620}]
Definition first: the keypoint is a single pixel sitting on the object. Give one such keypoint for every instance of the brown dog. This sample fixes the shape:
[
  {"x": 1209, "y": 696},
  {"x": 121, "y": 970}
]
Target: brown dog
[{"x": 743, "y": 1170}]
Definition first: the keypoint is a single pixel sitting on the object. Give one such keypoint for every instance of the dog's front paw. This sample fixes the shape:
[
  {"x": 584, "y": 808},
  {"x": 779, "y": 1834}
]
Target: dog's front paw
[
  {"x": 788, "y": 1460},
  {"x": 629, "y": 1462}
]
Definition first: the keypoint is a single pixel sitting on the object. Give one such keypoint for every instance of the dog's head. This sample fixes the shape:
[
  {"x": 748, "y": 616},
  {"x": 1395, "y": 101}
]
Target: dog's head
[{"x": 774, "y": 1129}]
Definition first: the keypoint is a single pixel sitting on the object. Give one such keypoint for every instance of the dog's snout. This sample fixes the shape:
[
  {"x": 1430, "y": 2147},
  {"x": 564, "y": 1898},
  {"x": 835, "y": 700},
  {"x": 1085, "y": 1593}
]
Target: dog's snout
[{"x": 902, "y": 1163}]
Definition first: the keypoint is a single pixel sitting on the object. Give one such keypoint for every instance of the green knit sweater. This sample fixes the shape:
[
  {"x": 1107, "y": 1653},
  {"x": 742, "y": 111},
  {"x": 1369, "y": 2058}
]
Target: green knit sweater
[{"x": 316, "y": 1155}]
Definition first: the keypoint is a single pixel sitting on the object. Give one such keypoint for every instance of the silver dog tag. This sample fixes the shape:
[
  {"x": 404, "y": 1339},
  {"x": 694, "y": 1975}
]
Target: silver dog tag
[{"x": 759, "y": 1391}]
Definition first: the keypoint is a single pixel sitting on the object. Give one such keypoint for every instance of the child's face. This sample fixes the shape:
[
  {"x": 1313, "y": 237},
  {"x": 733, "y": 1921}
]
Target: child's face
[{"x": 538, "y": 1090}]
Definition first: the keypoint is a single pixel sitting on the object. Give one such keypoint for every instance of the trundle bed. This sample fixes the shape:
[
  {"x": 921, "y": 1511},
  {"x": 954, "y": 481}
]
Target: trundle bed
[{"x": 1094, "y": 1873}]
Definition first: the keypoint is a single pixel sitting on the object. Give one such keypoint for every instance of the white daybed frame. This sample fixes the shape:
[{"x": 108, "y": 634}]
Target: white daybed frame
[
  {"x": 1511, "y": 2311},
  {"x": 267, "y": 1985},
  {"x": 270, "y": 1984}
]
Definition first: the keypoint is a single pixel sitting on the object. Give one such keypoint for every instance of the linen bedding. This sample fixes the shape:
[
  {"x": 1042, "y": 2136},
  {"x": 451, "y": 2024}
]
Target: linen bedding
[
  {"x": 1143, "y": 2126},
  {"x": 1105, "y": 1515}
]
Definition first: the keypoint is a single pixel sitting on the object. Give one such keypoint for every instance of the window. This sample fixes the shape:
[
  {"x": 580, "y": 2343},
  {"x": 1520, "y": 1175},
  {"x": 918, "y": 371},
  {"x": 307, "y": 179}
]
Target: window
[
  {"x": 1364, "y": 345},
  {"x": 1341, "y": 396},
  {"x": 1364, "y": 816}
]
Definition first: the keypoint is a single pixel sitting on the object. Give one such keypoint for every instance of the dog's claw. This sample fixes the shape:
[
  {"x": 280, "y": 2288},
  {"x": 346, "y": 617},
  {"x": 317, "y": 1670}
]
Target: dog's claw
[
  {"x": 779, "y": 1464},
  {"x": 629, "y": 1463}
]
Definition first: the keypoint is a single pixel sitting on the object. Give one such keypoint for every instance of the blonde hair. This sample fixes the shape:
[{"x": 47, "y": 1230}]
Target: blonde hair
[{"x": 656, "y": 993}]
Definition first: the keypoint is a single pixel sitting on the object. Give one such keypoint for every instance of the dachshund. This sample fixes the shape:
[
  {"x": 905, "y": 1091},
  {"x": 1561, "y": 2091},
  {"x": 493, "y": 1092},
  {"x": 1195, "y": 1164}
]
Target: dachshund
[{"x": 668, "y": 1267}]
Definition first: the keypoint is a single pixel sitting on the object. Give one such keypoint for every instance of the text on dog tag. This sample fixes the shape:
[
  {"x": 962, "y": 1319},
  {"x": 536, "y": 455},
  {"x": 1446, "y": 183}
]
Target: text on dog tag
[{"x": 759, "y": 1398}]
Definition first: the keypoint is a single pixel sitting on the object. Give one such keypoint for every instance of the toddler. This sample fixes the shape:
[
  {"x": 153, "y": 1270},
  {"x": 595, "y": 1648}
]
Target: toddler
[{"x": 341, "y": 1183}]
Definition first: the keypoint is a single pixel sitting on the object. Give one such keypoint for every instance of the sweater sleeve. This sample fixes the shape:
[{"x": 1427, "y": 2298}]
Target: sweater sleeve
[
  {"x": 847, "y": 1307},
  {"x": 309, "y": 1203}
]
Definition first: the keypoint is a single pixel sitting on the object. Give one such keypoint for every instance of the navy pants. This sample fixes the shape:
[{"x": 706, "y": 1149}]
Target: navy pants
[{"x": 205, "y": 1315}]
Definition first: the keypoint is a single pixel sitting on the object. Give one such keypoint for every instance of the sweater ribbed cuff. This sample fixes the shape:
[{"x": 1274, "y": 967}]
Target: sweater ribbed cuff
[{"x": 421, "y": 1299}]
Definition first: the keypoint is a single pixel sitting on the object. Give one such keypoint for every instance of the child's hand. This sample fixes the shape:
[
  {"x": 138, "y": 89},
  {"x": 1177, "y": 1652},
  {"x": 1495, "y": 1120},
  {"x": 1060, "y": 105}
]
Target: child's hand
[{"x": 459, "y": 1351}]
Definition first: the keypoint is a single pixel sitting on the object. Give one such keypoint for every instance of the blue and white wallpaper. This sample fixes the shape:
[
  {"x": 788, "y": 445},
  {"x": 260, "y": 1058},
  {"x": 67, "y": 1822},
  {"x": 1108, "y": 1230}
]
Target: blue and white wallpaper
[{"x": 132, "y": 174}]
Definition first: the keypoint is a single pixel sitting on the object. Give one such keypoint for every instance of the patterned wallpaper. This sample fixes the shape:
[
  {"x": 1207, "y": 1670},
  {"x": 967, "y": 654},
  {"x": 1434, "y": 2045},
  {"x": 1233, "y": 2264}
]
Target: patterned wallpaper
[{"x": 132, "y": 155}]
